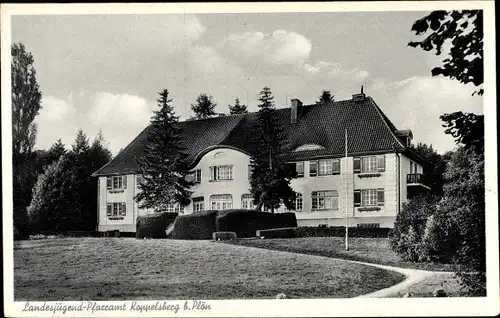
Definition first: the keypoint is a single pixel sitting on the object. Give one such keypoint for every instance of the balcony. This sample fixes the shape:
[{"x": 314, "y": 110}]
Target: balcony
[{"x": 416, "y": 183}]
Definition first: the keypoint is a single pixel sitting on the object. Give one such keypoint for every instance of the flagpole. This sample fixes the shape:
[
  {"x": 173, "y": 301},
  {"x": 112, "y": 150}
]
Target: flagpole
[{"x": 346, "y": 190}]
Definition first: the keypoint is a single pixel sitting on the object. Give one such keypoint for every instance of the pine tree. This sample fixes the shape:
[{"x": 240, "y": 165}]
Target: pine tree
[
  {"x": 237, "y": 108},
  {"x": 81, "y": 144},
  {"x": 204, "y": 107},
  {"x": 164, "y": 164},
  {"x": 325, "y": 97},
  {"x": 56, "y": 151},
  {"x": 271, "y": 176}
]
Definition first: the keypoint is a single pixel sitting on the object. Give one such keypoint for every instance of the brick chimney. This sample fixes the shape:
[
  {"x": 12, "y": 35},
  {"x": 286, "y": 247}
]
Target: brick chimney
[
  {"x": 359, "y": 97},
  {"x": 294, "y": 110}
]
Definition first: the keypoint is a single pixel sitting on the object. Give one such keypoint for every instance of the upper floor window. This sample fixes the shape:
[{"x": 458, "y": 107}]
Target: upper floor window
[
  {"x": 324, "y": 167},
  {"x": 309, "y": 147},
  {"x": 298, "y": 168},
  {"x": 197, "y": 176},
  {"x": 116, "y": 182},
  {"x": 198, "y": 204},
  {"x": 369, "y": 164},
  {"x": 224, "y": 172},
  {"x": 325, "y": 200},
  {"x": 369, "y": 197},
  {"x": 247, "y": 202},
  {"x": 116, "y": 209}
]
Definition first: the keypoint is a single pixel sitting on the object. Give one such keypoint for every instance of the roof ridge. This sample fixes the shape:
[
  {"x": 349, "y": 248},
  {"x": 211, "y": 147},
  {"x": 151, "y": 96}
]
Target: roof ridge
[{"x": 386, "y": 120}]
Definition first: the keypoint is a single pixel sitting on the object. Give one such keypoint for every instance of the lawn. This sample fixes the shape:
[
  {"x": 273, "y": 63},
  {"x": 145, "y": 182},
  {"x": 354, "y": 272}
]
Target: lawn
[
  {"x": 372, "y": 250},
  {"x": 126, "y": 268}
]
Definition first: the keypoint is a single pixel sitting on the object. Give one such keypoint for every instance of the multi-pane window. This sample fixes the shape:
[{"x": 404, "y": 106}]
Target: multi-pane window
[
  {"x": 174, "y": 208},
  {"x": 325, "y": 200},
  {"x": 299, "y": 168},
  {"x": 116, "y": 209},
  {"x": 247, "y": 202},
  {"x": 116, "y": 182},
  {"x": 224, "y": 172},
  {"x": 369, "y": 164},
  {"x": 369, "y": 225},
  {"x": 221, "y": 202},
  {"x": 313, "y": 168},
  {"x": 369, "y": 197},
  {"x": 324, "y": 167},
  {"x": 198, "y": 204},
  {"x": 299, "y": 202},
  {"x": 197, "y": 176}
]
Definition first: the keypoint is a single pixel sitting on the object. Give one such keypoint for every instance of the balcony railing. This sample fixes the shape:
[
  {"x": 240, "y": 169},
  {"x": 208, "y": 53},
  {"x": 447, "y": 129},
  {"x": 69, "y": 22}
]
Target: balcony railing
[{"x": 416, "y": 178}]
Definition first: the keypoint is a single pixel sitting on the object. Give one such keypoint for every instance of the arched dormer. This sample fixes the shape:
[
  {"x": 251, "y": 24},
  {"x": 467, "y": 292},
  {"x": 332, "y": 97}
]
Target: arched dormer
[{"x": 306, "y": 147}]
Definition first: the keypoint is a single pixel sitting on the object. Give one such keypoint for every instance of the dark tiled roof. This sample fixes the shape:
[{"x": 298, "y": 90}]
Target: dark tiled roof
[{"x": 369, "y": 131}]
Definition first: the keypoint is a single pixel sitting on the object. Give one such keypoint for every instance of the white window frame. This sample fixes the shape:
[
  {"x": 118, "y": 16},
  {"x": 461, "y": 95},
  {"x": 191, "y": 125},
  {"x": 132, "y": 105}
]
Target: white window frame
[
  {"x": 116, "y": 182},
  {"x": 297, "y": 164},
  {"x": 197, "y": 176},
  {"x": 221, "y": 202},
  {"x": 325, "y": 167},
  {"x": 221, "y": 173},
  {"x": 247, "y": 202},
  {"x": 325, "y": 200},
  {"x": 198, "y": 204},
  {"x": 118, "y": 209},
  {"x": 174, "y": 208},
  {"x": 299, "y": 202},
  {"x": 369, "y": 197},
  {"x": 369, "y": 164}
]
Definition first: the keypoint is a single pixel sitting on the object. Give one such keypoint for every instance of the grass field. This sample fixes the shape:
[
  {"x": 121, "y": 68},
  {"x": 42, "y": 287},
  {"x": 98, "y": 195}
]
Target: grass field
[
  {"x": 372, "y": 250},
  {"x": 126, "y": 268}
]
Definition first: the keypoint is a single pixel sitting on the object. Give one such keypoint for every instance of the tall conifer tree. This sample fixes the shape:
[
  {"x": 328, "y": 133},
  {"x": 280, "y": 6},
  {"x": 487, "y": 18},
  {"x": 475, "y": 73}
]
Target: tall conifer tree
[
  {"x": 164, "y": 165},
  {"x": 204, "y": 107},
  {"x": 270, "y": 178},
  {"x": 237, "y": 108}
]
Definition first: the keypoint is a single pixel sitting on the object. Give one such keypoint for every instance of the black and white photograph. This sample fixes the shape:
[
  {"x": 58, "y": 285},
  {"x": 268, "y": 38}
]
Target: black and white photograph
[{"x": 249, "y": 159}]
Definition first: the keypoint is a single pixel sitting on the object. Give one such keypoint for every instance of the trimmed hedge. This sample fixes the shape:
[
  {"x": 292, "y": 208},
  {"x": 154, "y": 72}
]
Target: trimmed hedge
[
  {"x": 153, "y": 225},
  {"x": 196, "y": 226},
  {"x": 247, "y": 222},
  {"x": 224, "y": 236},
  {"x": 287, "y": 232},
  {"x": 367, "y": 232}
]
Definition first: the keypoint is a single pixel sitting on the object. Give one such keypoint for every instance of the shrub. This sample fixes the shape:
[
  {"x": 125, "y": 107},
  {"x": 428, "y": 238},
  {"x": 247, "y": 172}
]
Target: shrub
[
  {"x": 246, "y": 222},
  {"x": 151, "y": 226},
  {"x": 223, "y": 236},
  {"x": 198, "y": 226},
  {"x": 286, "y": 232},
  {"x": 80, "y": 234}
]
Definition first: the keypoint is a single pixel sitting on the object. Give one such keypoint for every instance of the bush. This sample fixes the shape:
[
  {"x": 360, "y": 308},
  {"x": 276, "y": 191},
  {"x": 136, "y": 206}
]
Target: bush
[
  {"x": 247, "y": 222},
  {"x": 339, "y": 231},
  {"x": 151, "y": 226},
  {"x": 197, "y": 226},
  {"x": 287, "y": 232},
  {"x": 81, "y": 234},
  {"x": 224, "y": 236}
]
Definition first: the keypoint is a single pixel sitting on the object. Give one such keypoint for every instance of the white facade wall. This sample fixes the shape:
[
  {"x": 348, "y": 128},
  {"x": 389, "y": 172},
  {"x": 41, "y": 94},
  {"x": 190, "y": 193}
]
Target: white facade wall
[{"x": 346, "y": 181}]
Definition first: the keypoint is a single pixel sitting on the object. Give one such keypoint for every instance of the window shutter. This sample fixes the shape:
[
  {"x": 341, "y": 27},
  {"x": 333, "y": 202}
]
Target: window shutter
[
  {"x": 198, "y": 176},
  {"x": 357, "y": 164},
  {"x": 381, "y": 163},
  {"x": 124, "y": 178},
  {"x": 212, "y": 173},
  {"x": 380, "y": 197},
  {"x": 336, "y": 166},
  {"x": 109, "y": 208},
  {"x": 123, "y": 211},
  {"x": 357, "y": 197},
  {"x": 109, "y": 182}
]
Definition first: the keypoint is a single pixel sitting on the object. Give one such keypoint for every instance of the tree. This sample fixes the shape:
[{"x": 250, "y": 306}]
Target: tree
[
  {"x": 434, "y": 168},
  {"x": 464, "y": 30},
  {"x": 164, "y": 164},
  {"x": 237, "y": 108},
  {"x": 56, "y": 151},
  {"x": 464, "y": 206},
  {"x": 26, "y": 97},
  {"x": 64, "y": 197},
  {"x": 271, "y": 176},
  {"x": 325, "y": 98},
  {"x": 204, "y": 107},
  {"x": 466, "y": 128}
]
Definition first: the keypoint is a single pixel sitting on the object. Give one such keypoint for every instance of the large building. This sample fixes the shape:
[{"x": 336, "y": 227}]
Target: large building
[{"x": 369, "y": 186}]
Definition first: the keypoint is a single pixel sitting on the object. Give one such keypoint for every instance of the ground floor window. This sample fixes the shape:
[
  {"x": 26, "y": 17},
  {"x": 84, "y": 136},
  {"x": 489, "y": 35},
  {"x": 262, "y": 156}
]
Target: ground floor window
[
  {"x": 221, "y": 202},
  {"x": 116, "y": 209},
  {"x": 198, "y": 204},
  {"x": 174, "y": 208},
  {"x": 299, "y": 202},
  {"x": 369, "y": 225},
  {"x": 325, "y": 200},
  {"x": 247, "y": 202}
]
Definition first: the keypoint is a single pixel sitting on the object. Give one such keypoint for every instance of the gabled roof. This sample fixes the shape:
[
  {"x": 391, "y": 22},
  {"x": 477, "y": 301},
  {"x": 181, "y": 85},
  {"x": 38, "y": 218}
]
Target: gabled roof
[{"x": 369, "y": 132}]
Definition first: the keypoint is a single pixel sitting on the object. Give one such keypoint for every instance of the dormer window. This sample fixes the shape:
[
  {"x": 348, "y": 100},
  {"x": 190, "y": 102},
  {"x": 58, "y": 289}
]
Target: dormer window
[{"x": 306, "y": 147}]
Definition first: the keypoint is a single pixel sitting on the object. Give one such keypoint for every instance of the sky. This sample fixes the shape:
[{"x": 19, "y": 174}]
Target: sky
[{"x": 104, "y": 72}]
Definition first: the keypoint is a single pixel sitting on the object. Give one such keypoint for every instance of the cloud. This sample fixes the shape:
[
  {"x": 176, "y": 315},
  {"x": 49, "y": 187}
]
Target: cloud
[
  {"x": 417, "y": 102},
  {"x": 207, "y": 60},
  {"x": 279, "y": 48},
  {"x": 54, "y": 109},
  {"x": 334, "y": 70}
]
